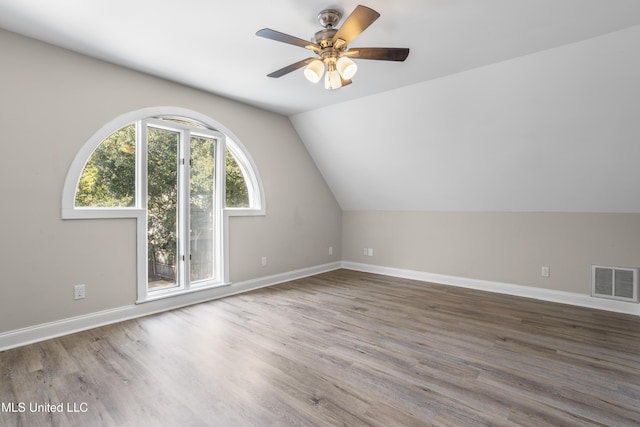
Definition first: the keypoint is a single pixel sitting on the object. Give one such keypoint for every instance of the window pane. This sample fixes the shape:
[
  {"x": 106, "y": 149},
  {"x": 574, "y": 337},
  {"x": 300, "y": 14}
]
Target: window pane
[
  {"x": 202, "y": 205},
  {"x": 162, "y": 177},
  {"x": 109, "y": 177},
  {"x": 237, "y": 195}
]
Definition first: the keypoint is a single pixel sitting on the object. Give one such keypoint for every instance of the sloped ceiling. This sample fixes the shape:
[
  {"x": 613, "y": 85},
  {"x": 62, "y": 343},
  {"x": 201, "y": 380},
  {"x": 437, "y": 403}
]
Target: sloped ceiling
[
  {"x": 502, "y": 104},
  {"x": 555, "y": 131}
]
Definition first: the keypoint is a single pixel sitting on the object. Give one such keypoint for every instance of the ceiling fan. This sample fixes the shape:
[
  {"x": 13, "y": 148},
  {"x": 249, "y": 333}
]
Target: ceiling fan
[{"x": 331, "y": 46}]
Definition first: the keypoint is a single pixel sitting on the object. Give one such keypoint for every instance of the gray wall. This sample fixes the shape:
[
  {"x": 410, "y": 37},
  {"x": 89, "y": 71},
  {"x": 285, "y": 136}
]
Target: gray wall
[
  {"x": 494, "y": 172},
  {"x": 506, "y": 247},
  {"x": 51, "y": 102}
]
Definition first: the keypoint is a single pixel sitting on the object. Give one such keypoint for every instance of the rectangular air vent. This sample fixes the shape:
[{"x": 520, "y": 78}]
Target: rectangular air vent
[{"x": 614, "y": 282}]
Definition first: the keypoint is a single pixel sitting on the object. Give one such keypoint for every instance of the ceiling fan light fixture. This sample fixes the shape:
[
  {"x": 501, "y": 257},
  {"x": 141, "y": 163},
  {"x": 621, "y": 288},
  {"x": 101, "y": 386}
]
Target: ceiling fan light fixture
[
  {"x": 332, "y": 79},
  {"x": 314, "y": 71},
  {"x": 346, "y": 67}
]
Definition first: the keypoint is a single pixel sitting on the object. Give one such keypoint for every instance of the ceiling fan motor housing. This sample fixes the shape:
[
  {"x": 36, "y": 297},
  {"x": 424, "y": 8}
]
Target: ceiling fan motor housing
[{"x": 325, "y": 37}]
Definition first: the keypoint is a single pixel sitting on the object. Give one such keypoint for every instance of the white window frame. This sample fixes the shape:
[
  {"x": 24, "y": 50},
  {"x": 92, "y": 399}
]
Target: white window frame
[{"x": 139, "y": 212}]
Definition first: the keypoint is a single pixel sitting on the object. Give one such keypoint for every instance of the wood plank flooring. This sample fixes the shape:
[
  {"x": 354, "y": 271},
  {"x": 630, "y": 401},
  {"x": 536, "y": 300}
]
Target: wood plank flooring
[{"x": 339, "y": 349}]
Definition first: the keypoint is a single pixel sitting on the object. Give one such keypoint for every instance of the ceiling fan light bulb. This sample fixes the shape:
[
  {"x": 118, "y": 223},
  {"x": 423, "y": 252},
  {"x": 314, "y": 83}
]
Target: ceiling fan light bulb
[
  {"x": 332, "y": 80},
  {"x": 314, "y": 71},
  {"x": 346, "y": 67}
]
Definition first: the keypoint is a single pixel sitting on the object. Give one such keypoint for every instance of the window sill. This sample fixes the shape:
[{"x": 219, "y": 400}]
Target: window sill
[
  {"x": 102, "y": 213},
  {"x": 244, "y": 211}
]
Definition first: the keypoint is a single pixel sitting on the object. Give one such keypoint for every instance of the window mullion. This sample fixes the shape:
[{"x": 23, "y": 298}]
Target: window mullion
[
  {"x": 141, "y": 165},
  {"x": 220, "y": 198},
  {"x": 142, "y": 177},
  {"x": 184, "y": 236}
]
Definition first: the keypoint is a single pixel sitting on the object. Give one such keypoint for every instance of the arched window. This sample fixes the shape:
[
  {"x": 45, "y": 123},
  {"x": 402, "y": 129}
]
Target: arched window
[{"x": 181, "y": 175}]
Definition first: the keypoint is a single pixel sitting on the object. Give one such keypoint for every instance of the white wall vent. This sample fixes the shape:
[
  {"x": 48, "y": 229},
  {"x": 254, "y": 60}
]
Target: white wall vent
[{"x": 614, "y": 282}]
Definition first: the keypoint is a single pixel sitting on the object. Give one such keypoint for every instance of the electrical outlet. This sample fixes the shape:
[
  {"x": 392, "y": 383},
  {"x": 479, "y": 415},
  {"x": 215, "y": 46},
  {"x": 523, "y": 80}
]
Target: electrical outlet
[
  {"x": 365, "y": 251},
  {"x": 369, "y": 251},
  {"x": 264, "y": 261},
  {"x": 330, "y": 250},
  {"x": 544, "y": 271},
  {"x": 78, "y": 292}
]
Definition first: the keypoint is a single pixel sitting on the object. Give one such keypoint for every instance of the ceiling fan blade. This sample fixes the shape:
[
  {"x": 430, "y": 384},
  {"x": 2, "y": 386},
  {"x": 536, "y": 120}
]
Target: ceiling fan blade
[
  {"x": 357, "y": 22},
  {"x": 379, "y": 53},
  {"x": 268, "y": 33},
  {"x": 289, "y": 68}
]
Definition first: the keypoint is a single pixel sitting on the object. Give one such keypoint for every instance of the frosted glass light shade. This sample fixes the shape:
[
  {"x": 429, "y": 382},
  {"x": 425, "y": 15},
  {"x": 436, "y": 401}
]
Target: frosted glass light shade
[
  {"x": 332, "y": 80},
  {"x": 314, "y": 71},
  {"x": 346, "y": 67}
]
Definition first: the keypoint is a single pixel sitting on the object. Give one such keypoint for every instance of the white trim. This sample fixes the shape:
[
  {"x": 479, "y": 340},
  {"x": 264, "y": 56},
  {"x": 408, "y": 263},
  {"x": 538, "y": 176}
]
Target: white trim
[
  {"x": 581, "y": 300},
  {"x": 252, "y": 179},
  {"x": 68, "y": 209},
  {"x": 145, "y": 118},
  {"x": 102, "y": 213},
  {"x": 32, "y": 334},
  {"x": 171, "y": 293},
  {"x": 244, "y": 212}
]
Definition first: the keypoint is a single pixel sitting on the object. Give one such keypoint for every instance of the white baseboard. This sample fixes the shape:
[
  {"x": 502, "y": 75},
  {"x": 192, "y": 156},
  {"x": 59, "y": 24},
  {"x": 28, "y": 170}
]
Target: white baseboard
[
  {"x": 31, "y": 334},
  {"x": 580, "y": 300}
]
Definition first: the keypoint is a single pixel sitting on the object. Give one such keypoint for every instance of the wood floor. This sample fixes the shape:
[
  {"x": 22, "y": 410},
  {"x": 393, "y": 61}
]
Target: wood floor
[{"x": 338, "y": 349}]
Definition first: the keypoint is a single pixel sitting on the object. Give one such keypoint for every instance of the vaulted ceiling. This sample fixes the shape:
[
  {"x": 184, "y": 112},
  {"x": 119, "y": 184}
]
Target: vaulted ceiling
[{"x": 502, "y": 105}]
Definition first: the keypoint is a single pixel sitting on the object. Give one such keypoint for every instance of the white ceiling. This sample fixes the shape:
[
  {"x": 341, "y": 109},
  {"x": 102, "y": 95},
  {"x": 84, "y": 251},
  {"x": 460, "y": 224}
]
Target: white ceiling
[
  {"x": 220, "y": 53},
  {"x": 502, "y": 105}
]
